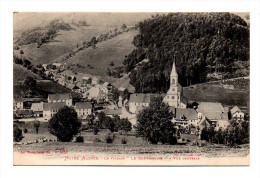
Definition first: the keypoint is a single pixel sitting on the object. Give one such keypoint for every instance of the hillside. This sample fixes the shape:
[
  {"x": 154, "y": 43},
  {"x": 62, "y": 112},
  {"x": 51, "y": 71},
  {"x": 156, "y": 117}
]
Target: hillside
[
  {"x": 20, "y": 73},
  {"x": 43, "y": 87},
  {"x": 99, "y": 58},
  {"x": 66, "y": 40},
  {"x": 217, "y": 93},
  {"x": 200, "y": 43}
]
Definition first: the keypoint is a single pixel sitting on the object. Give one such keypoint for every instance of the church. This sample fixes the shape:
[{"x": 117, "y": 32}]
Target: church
[{"x": 174, "y": 97}]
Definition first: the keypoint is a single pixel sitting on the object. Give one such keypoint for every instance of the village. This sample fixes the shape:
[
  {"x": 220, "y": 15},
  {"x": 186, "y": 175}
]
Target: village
[{"x": 96, "y": 96}]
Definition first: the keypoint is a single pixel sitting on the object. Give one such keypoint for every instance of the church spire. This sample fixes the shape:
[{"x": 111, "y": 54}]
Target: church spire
[{"x": 174, "y": 71}]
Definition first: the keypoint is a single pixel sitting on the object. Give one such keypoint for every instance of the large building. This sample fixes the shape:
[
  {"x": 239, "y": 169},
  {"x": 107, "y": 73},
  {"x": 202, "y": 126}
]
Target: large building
[
  {"x": 174, "y": 96},
  {"x": 60, "y": 98},
  {"x": 211, "y": 112},
  {"x": 138, "y": 102},
  {"x": 49, "y": 109},
  {"x": 83, "y": 108}
]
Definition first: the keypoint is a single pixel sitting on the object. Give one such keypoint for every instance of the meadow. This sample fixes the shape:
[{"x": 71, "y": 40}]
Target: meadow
[{"x": 134, "y": 146}]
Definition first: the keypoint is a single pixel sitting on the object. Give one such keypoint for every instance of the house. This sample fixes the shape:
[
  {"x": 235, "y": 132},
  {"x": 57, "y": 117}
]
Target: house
[
  {"x": 95, "y": 80},
  {"x": 58, "y": 65},
  {"x": 63, "y": 97},
  {"x": 86, "y": 80},
  {"x": 83, "y": 108},
  {"x": 138, "y": 102},
  {"x": 44, "y": 66},
  {"x": 37, "y": 109},
  {"x": 112, "y": 112},
  {"x": 107, "y": 87},
  {"x": 236, "y": 113},
  {"x": 49, "y": 109},
  {"x": 222, "y": 124},
  {"x": 97, "y": 94},
  {"x": 174, "y": 96},
  {"x": 76, "y": 89},
  {"x": 184, "y": 117},
  {"x": 212, "y": 112},
  {"x": 18, "y": 103}
]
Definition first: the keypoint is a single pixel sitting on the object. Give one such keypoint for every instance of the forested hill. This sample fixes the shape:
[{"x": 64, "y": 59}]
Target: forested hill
[{"x": 200, "y": 43}]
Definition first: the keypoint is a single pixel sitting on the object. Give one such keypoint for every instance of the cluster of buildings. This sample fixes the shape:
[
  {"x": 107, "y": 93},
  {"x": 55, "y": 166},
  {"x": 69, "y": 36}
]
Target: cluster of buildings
[
  {"x": 185, "y": 117},
  {"x": 205, "y": 114},
  {"x": 51, "y": 107}
]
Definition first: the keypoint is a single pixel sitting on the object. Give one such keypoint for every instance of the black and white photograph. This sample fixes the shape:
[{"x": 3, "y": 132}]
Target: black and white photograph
[{"x": 131, "y": 88}]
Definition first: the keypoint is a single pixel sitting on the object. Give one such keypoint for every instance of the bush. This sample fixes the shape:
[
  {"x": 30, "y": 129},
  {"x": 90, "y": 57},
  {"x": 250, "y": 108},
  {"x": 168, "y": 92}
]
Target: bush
[
  {"x": 95, "y": 131},
  {"x": 79, "y": 139},
  {"x": 25, "y": 130},
  {"x": 96, "y": 140},
  {"x": 109, "y": 139},
  {"x": 17, "y": 133},
  {"x": 124, "y": 141}
]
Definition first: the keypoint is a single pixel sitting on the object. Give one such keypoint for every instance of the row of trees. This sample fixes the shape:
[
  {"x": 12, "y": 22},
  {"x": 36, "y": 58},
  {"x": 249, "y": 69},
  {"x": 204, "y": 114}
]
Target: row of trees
[
  {"x": 42, "y": 35},
  {"x": 235, "y": 134},
  {"x": 200, "y": 43}
]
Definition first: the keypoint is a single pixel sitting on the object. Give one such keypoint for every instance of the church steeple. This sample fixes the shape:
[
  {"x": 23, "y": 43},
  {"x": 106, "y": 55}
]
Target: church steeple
[{"x": 174, "y": 71}]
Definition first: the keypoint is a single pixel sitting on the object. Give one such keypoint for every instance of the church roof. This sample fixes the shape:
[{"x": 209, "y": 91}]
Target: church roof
[{"x": 174, "y": 71}]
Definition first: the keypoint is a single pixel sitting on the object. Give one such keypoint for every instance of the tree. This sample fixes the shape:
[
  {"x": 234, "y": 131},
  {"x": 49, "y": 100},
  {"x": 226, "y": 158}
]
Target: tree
[
  {"x": 64, "y": 124},
  {"x": 30, "y": 83},
  {"x": 154, "y": 122},
  {"x": 21, "y": 53},
  {"x": 123, "y": 26},
  {"x": 36, "y": 125},
  {"x": 109, "y": 124},
  {"x": 125, "y": 125},
  {"x": 115, "y": 95},
  {"x": 17, "y": 133},
  {"x": 111, "y": 63}
]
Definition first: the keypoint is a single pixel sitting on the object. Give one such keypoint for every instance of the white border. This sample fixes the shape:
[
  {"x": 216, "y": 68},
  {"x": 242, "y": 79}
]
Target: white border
[{"x": 7, "y": 7}]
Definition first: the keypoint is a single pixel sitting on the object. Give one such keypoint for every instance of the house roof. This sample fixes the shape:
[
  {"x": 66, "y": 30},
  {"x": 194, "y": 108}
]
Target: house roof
[
  {"x": 226, "y": 109},
  {"x": 83, "y": 105},
  {"x": 210, "y": 106},
  {"x": 75, "y": 87},
  {"x": 52, "y": 106},
  {"x": 121, "y": 89},
  {"x": 112, "y": 111},
  {"x": 95, "y": 79},
  {"x": 140, "y": 98},
  {"x": 37, "y": 106},
  {"x": 106, "y": 84},
  {"x": 184, "y": 100},
  {"x": 60, "y": 96},
  {"x": 235, "y": 109},
  {"x": 213, "y": 111},
  {"x": 85, "y": 78},
  {"x": 188, "y": 113}
]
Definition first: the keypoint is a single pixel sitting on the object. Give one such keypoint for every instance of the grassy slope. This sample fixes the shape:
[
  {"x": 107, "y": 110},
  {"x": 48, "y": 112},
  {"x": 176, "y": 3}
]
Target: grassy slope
[
  {"x": 64, "y": 42},
  {"x": 43, "y": 86},
  {"x": 216, "y": 93},
  {"x": 20, "y": 73},
  {"x": 105, "y": 52}
]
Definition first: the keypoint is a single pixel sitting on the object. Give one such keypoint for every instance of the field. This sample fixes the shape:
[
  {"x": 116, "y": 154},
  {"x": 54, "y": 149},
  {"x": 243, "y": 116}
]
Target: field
[
  {"x": 217, "y": 93},
  {"x": 134, "y": 146}
]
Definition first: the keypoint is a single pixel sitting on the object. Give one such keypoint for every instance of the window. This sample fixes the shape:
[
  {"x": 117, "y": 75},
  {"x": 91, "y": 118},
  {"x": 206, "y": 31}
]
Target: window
[
  {"x": 173, "y": 89},
  {"x": 173, "y": 81},
  {"x": 172, "y": 97}
]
